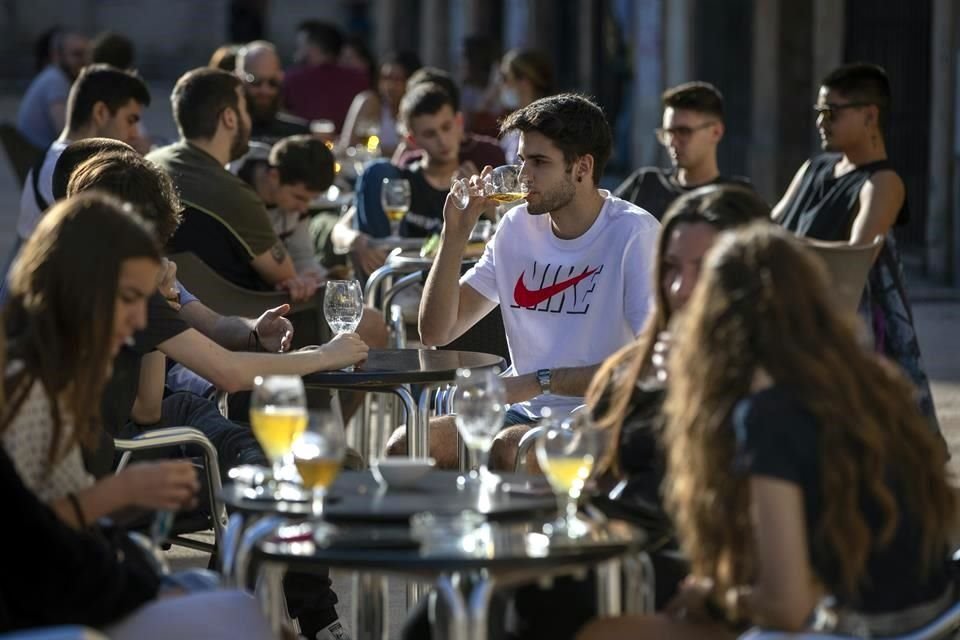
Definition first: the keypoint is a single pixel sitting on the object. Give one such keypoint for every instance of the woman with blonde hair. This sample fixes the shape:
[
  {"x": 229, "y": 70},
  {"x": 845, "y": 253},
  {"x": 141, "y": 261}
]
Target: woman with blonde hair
[{"x": 799, "y": 465}]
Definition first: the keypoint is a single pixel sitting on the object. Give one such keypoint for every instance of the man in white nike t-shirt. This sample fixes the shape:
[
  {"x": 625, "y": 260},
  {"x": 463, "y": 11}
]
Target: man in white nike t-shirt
[{"x": 570, "y": 269}]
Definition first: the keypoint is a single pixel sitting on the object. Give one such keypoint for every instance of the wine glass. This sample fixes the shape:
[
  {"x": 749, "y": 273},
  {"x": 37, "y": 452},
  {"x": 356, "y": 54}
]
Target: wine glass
[
  {"x": 318, "y": 454},
  {"x": 503, "y": 184},
  {"x": 567, "y": 454},
  {"x": 278, "y": 415},
  {"x": 395, "y": 199},
  {"x": 480, "y": 404},
  {"x": 343, "y": 306}
]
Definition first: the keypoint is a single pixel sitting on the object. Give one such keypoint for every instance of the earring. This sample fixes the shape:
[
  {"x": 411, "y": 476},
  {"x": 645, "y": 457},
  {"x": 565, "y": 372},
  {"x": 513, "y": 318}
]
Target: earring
[{"x": 580, "y": 178}]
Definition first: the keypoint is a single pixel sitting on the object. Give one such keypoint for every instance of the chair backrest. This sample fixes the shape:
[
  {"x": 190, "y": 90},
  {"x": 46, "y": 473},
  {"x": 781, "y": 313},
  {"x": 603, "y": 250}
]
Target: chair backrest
[
  {"x": 223, "y": 296},
  {"x": 21, "y": 153},
  {"x": 486, "y": 336},
  {"x": 848, "y": 266}
]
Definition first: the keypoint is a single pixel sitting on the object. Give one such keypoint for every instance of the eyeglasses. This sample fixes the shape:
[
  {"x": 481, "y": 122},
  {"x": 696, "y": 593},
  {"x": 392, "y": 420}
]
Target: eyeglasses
[
  {"x": 664, "y": 136},
  {"x": 254, "y": 81},
  {"x": 829, "y": 110}
]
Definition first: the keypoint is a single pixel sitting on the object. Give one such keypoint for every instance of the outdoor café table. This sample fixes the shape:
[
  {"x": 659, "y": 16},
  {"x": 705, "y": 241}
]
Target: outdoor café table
[
  {"x": 390, "y": 370},
  {"x": 510, "y": 548}
]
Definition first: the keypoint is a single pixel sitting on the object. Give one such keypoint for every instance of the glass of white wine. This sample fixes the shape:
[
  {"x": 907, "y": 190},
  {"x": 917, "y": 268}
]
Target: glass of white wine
[
  {"x": 567, "y": 453},
  {"x": 278, "y": 415},
  {"x": 503, "y": 184},
  {"x": 480, "y": 404},
  {"x": 395, "y": 199},
  {"x": 318, "y": 454}
]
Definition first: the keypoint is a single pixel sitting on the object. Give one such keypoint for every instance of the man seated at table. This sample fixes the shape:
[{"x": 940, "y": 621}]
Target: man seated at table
[
  {"x": 258, "y": 66},
  {"x": 429, "y": 114},
  {"x": 570, "y": 269}
]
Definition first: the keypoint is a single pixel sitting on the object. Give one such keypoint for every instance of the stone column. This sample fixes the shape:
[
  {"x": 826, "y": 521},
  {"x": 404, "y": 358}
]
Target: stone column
[
  {"x": 647, "y": 79},
  {"x": 435, "y": 33},
  {"x": 943, "y": 232},
  {"x": 766, "y": 86}
]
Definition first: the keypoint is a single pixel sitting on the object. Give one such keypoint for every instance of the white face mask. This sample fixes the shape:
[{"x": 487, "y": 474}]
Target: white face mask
[{"x": 509, "y": 98}]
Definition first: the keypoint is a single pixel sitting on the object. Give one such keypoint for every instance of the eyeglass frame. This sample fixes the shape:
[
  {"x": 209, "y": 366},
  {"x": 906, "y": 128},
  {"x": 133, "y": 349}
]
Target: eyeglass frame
[
  {"x": 826, "y": 110},
  {"x": 684, "y": 133},
  {"x": 254, "y": 81}
]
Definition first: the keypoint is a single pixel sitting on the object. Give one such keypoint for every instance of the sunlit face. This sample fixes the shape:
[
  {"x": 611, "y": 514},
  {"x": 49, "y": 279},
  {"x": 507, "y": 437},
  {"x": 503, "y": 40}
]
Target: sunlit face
[
  {"x": 294, "y": 198},
  {"x": 137, "y": 282},
  {"x": 124, "y": 124},
  {"x": 841, "y": 122},
  {"x": 262, "y": 79},
  {"x": 544, "y": 171},
  {"x": 680, "y": 269},
  {"x": 438, "y": 134},
  {"x": 690, "y": 137},
  {"x": 392, "y": 83}
]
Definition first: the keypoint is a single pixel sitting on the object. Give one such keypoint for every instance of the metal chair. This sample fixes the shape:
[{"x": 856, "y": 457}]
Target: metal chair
[
  {"x": 848, "y": 266},
  {"x": 185, "y": 436}
]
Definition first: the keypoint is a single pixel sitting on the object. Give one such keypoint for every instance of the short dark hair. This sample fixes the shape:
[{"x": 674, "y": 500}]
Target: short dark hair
[
  {"x": 701, "y": 97},
  {"x": 424, "y": 99},
  {"x": 114, "y": 49},
  {"x": 198, "y": 99},
  {"x": 132, "y": 178},
  {"x": 76, "y": 154},
  {"x": 323, "y": 35},
  {"x": 303, "y": 159},
  {"x": 103, "y": 83},
  {"x": 225, "y": 57},
  {"x": 438, "y": 77},
  {"x": 573, "y": 122},
  {"x": 409, "y": 61},
  {"x": 531, "y": 65},
  {"x": 862, "y": 82}
]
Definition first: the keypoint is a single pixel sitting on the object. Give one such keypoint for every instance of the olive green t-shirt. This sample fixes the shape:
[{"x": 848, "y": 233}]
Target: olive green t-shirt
[{"x": 224, "y": 221}]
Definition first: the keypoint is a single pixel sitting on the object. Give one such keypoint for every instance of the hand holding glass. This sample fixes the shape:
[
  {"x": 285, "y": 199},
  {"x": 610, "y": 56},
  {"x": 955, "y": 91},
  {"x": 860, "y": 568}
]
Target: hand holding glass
[
  {"x": 503, "y": 184},
  {"x": 480, "y": 404},
  {"x": 278, "y": 415},
  {"x": 395, "y": 199}
]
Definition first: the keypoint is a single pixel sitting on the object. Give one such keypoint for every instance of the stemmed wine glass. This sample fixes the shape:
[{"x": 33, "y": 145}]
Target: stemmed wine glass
[
  {"x": 503, "y": 184},
  {"x": 480, "y": 404},
  {"x": 567, "y": 454},
  {"x": 395, "y": 199},
  {"x": 343, "y": 306},
  {"x": 318, "y": 454},
  {"x": 278, "y": 415}
]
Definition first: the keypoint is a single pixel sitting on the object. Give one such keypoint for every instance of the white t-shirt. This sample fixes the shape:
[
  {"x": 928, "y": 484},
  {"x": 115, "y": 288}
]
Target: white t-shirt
[
  {"x": 568, "y": 303},
  {"x": 30, "y": 212}
]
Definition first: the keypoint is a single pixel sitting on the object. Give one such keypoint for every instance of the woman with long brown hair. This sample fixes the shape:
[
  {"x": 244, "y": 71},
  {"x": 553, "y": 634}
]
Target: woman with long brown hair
[
  {"x": 799, "y": 463},
  {"x": 78, "y": 292}
]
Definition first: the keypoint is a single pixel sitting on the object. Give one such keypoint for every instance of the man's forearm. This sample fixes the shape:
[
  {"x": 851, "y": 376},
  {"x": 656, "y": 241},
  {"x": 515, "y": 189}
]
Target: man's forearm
[
  {"x": 233, "y": 333},
  {"x": 564, "y": 381},
  {"x": 439, "y": 306}
]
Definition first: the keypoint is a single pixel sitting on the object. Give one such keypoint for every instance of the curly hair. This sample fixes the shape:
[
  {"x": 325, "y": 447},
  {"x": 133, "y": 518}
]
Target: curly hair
[
  {"x": 720, "y": 206},
  {"x": 734, "y": 326}
]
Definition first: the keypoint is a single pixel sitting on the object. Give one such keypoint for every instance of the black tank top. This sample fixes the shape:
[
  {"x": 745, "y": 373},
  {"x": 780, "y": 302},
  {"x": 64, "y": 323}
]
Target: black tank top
[{"x": 824, "y": 206}]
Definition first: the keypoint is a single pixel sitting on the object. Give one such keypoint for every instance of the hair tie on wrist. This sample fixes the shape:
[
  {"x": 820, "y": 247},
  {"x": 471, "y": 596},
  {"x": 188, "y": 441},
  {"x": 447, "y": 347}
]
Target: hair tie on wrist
[{"x": 77, "y": 510}]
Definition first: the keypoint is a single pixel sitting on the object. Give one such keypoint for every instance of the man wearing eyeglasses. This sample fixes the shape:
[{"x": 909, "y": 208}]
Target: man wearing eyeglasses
[
  {"x": 258, "y": 66},
  {"x": 692, "y": 129}
]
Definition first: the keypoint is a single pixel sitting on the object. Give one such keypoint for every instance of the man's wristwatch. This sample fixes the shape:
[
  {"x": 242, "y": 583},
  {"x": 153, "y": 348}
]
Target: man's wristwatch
[{"x": 543, "y": 378}]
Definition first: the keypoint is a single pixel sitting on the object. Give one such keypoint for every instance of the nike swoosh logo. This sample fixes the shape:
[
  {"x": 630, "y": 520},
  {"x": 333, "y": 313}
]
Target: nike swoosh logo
[{"x": 527, "y": 298}]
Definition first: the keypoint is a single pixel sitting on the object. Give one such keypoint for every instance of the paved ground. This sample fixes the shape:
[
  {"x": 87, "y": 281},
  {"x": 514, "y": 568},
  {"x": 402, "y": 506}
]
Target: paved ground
[{"x": 937, "y": 312}]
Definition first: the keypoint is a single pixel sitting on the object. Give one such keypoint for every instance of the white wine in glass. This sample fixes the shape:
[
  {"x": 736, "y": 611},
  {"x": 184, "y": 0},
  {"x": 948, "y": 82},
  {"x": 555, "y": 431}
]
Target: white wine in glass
[
  {"x": 503, "y": 184},
  {"x": 318, "y": 455},
  {"x": 278, "y": 415},
  {"x": 395, "y": 199}
]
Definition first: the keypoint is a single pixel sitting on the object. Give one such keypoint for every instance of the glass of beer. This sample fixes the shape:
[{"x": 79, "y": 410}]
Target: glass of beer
[
  {"x": 395, "y": 199},
  {"x": 318, "y": 454},
  {"x": 278, "y": 415},
  {"x": 503, "y": 184},
  {"x": 567, "y": 453}
]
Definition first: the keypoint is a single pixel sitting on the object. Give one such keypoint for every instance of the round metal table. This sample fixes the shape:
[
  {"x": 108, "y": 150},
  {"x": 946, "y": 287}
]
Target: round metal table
[{"x": 391, "y": 370}]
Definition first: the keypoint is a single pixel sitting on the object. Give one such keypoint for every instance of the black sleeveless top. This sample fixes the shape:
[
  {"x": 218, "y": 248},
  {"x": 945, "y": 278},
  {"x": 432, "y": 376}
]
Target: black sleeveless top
[{"x": 824, "y": 207}]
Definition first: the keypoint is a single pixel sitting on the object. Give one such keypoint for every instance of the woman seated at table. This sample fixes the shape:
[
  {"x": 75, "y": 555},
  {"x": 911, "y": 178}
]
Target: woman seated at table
[
  {"x": 799, "y": 463},
  {"x": 78, "y": 292}
]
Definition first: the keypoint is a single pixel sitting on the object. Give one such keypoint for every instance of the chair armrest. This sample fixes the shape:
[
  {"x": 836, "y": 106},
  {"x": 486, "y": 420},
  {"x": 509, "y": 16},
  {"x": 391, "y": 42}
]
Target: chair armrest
[
  {"x": 165, "y": 437},
  {"x": 527, "y": 441},
  {"x": 70, "y": 632}
]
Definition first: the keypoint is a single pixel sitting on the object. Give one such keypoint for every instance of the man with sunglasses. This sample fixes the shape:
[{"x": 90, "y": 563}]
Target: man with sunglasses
[
  {"x": 692, "y": 129},
  {"x": 853, "y": 194},
  {"x": 258, "y": 66}
]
